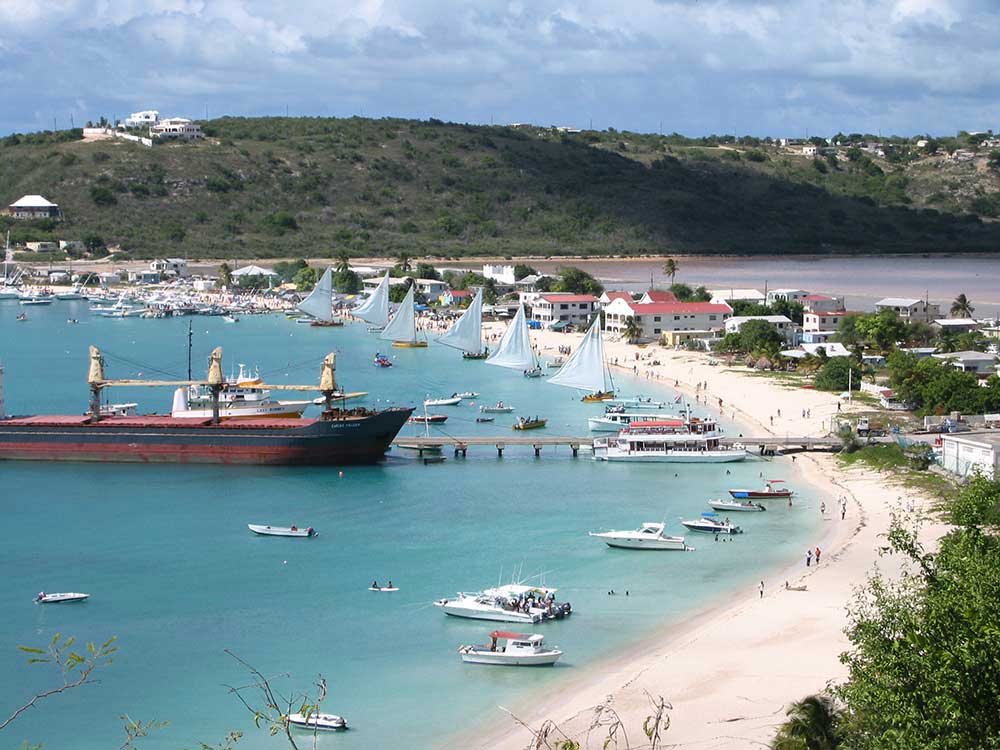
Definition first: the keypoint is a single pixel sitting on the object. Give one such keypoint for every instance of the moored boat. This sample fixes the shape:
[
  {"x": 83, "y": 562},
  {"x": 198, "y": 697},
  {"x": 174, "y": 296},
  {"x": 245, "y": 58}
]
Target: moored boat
[
  {"x": 746, "y": 506},
  {"x": 709, "y": 523},
  {"x": 66, "y": 597},
  {"x": 454, "y": 400},
  {"x": 511, "y": 649},
  {"x": 769, "y": 491},
  {"x": 639, "y": 402},
  {"x": 428, "y": 419},
  {"x": 499, "y": 408},
  {"x": 529, "y": 423},
  {"x": 648, "y": 536},
  {"x": 321, "y": 722},
  {"x": 614, "y": 421},
  {"x": 281, "y": 530},
  {"x": 682, "y": 440},
  {"x": 512, "y": 602}
]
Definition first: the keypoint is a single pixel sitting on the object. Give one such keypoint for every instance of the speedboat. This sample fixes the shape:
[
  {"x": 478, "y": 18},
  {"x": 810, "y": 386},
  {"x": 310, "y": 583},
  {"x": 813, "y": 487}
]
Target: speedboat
[
  {"x": 230, "y": 319},
  {"x": 322, "y": 722},
  {"x": 709, "y": 523},
  {"x": 34, "y": 299},
  {"x": 280, "y": 530},
  {"x": 453, "y": 401},
  {"x": 768, "y": 491},
  {"x": 512, "y": 602},
  {"x": 467, "y": 394},
  {"x": 65, "y": 597},
  {"x": 647, "y": 536},
  {"x": 428, "y": 419},
  {"x": 534, "y": 372},
  {"x": 512, "y": 650},
  {"x": 639, "y": 402},
  {"x": 382, "y": 361},
  {"x": 484, "y": 420},
  {"x": 746, "y": 506},
  {"x": 500, "y": 408},
  {"x": 523, "y": 423}
]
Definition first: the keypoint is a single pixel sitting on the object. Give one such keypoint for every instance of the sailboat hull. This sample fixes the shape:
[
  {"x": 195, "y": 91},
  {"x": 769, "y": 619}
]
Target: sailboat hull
[
  {"x": 598, "y": 397},
  {"x": 410, "y": 344}
]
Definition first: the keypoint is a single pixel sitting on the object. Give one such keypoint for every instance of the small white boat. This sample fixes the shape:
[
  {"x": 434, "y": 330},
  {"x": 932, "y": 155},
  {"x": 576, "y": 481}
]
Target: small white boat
[
  {"x": 512, "y": 650},
  {"x": 500, "y": 408},
  {"x": 230, "y": 319},
  {"x": 322, "y": 722},
  {"x": 534, "y": 372},
  {"x": 647, "y": 536},
  {"x": 739, "y": 506},
  {"x": 384, "y": 589},
  {"x": 709, "y": 523},
  {"x": 453, "y": 401},
  {"x": 614, "y": 421},
  {"x": 36, "y": 300},
  {"x": 65, "y": 597},
  {"x": 512, "y": 602},
  {"x": 639, "y": 402},
  {"x": 280, "y": 530},
  {"x": 468, "y": 394}
]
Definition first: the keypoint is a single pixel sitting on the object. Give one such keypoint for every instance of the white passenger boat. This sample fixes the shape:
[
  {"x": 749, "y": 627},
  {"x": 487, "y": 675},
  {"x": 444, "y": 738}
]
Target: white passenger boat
[
  {"x": 281, "y": 530},
  {"x": 499, "y": 408},
  {"x": 512, "y": 650},
  {"x": 682, "y": 440},
  {"x": 321, "y": 722},
  {"x": 242, "y": 397},
  {"x": 455, "y": 400},
  {"x": 613, "y": 421},
  {"x": 639, "y": 402},
  {"x": 512, "y": 602},
  {"x": 738, "y": 506},
  {"x": 709, "y": 523},
  {"x": 61, "y": 598},
  {"x": 648, "y": 536}
]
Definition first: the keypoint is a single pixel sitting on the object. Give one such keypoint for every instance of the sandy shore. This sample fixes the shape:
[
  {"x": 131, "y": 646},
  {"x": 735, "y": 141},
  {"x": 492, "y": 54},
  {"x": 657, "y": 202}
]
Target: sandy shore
[{"x": 731, "y": 671}]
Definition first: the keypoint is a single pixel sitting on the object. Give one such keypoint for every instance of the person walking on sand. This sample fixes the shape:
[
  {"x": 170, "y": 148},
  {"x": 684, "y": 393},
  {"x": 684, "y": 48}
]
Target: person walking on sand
[
  {"x": 761, "y": 589},
  {"x": 818, "y": 553},
  {"x": 843, "y": 510},
  {"x": 822, "y": 508},
  {"x": 809, "y": 557}
]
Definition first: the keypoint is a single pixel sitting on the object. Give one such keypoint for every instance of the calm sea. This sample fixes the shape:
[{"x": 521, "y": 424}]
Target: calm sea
[{"x": 173, "y": 572}]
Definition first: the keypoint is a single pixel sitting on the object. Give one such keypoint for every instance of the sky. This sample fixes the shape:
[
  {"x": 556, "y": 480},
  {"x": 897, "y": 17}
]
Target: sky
[{"x": 758, "y": 67}]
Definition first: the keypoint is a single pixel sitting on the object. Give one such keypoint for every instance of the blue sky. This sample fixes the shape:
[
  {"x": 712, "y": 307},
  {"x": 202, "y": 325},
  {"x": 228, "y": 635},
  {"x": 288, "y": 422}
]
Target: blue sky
[{"x": 771, "y": 67}]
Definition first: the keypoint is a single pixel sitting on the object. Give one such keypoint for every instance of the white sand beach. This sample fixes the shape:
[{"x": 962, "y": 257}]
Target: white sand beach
[{"x": 731, "y": 671}]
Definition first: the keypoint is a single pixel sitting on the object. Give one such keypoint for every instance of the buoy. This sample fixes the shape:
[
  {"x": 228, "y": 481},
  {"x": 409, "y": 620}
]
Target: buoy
[{"x": 341, "y": 474}]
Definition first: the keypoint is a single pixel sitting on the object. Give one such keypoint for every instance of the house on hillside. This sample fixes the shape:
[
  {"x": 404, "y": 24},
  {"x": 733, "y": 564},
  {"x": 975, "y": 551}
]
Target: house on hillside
[
  {"x": 787, "y": 295},
  {"x": 910, "y": 309},
  {"x": 33, "y": 207},
  {"x": 958, "y": 325},
  {"x": 823, "y": 321},
  {"x": 500, "y": 273},
  {"x": 781, "y": 323},
  {"x": 176, "y": 127},
  {"x": 671, "y": 322},
  {"x": 978, "y": 363},
  {"x": 576, "y": 309},
  {"x": 145, "y": 119},
  {"x": 41, "y": 247},
  {"x": 171, "y": 266}
]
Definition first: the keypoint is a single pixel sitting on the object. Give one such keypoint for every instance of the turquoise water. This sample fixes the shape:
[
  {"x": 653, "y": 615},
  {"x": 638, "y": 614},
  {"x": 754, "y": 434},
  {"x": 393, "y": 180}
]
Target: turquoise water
[{"x": 174, "y": 573}]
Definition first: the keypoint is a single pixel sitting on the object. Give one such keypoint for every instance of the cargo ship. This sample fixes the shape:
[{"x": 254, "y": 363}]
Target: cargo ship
[{"x": 339, "y": 435}]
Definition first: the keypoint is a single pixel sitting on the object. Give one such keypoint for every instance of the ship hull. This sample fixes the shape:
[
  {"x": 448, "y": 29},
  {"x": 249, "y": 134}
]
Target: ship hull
[{"x": 357, "y": 439}]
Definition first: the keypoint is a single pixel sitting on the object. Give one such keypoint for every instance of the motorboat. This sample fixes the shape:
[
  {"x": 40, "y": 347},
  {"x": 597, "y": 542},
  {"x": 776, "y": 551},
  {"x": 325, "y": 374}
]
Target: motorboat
[
  {"x": 321, "y": 722},
  {"x": 484, "y": 420},
  {"x": 512, "y": 650},
  {"x": 428, "y": 419},
  {"x": 382, "y": 361},
  {"x": 709, "y": 523},
  {"x": 529, "y": 423},
  {"x": 512, "y": 602},
  {"x": 614, "y": 421},
  {"x": 768, "y": 491},
  {"x": 241, "y": 397},
  {"x": 685, "y": 439},
  {"x": 738, "y": 506},
  {"x": 455, "y": 400},
  {"x": 533, "y": 372},
  {"x": 281, "y": 530},
  {"x": 61, "y": 598},
  {"x": 230, "y": 319},
  {"x": 648, "y": 536},
  {"x": 36, "y": 299},
  {"x": 499, "y": 408},
  {"x": 467, "y": 394},
  {"x": 639, "y": 402}
]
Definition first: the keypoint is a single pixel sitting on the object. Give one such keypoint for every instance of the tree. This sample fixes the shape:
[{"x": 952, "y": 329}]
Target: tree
[
  {"x": 279, "y": 222},
  {"x": 398, "y": 291},
  {"x": 633, "y": 330},
  {"x": 670, "y": 268},
  {"x": 962, "y": 307},
  {"x": 521, "y": 270},
  {"x": 577, "y": 281},
  {"x": 343, "y": 261},
  {"x": 102, "y": 196},
  {"x": 225, "y": 275},
  {"x": 403, "y": 261},
  {"x": 286, "y": 269},
  {"x": 685, "y": 293},
  {"x": 759, "y": 336},
  {"x": 427, "y": 271},
  {"x": 813, "y": 724},
  {"x": 837, "y": 374},
  {"x": 791, "y": 309},
  {"x": 490, "y": 291},
  {"x": 305, "y": 279},
  {"x": 881, "y": 329}
]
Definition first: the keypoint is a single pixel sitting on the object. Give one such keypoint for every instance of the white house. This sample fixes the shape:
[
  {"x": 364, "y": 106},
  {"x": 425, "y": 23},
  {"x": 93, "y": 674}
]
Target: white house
[
  {"x": 965, "y": 453},
  {"x": 822, "y": 303},
  {"x": 822, "y": 321},
  {"x": 176, "y": 127},
  {"x": 451, "y": 297},
  {"x": 607, "y": 298},
  {"x": 910, "y": 309},
  {"x": 502, "y": 274},
  {"x": 33, "y": 207},
  {"x": 958, "y": 325},
  {"x": 41, "y": 247},
  {"x": 145, "y": 119},
  {"x": 431, "y": 288},
  {"x": 978, "y": 363},
  {"x": 666, "y": 319},
  {"x": 176, "y": 266},
  {"x": 789, "y": 295},
  {"x": 577, "y": 309},
  {"x": 728, "y": 296},
  {"x": 781, "y": 323}
]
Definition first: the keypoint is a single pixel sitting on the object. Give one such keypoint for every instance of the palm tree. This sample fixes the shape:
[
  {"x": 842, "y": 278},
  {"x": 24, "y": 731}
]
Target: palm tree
[
  {"x": 404, "y": 261},
  {"x": 670, "y": 268},
  {"x": 962, "y": 307},
  {"x": 225, "y": 275},
  {"x": 343, "y": 261},
  {"x": 633, "y": 330},
  {"x": 812, "y": 725}
]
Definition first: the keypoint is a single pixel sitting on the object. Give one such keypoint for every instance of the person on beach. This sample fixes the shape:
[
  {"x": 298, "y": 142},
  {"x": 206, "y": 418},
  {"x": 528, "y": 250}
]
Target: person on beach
[
  {"x": 809, "y": 557},
  {"x": 761, "y": 589},
  {"x": 818, "y": 553},
  {"x": 822, "y": 508}
]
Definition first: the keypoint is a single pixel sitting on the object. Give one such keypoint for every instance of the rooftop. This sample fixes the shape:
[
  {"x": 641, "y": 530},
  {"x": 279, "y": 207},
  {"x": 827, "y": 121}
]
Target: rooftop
[
  {"x": 554, "y": 298},
  {"x": 898, "y": 302},
  {"x": 32, "y": 201},
  {"x": 740, "y": 319},
  {"x": 991, "y": 437},
  {"x": 961, "y": 322},
  {"x": 968, "y": 356},
  {"x": 657, "y": 295},
  {"x": 678, "y": 308}
]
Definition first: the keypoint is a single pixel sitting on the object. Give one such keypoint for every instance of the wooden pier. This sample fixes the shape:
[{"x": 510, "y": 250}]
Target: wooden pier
[{"x": 765, "y": 446}]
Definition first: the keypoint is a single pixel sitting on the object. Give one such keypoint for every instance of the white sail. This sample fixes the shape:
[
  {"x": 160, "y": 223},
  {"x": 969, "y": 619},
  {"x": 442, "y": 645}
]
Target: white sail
[
  {"x": 375, "y": 309},
  {"x": 403, "y": 326},
  {"x": 467, "y": 333},
  {"x": 319, "y": 304},
  {"x": 515, "y": 350},
  {"x": 585, "y": 369}
]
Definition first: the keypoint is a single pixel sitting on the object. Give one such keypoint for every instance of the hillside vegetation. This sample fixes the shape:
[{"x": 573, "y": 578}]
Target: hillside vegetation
[{"x": 290, "y": 187}]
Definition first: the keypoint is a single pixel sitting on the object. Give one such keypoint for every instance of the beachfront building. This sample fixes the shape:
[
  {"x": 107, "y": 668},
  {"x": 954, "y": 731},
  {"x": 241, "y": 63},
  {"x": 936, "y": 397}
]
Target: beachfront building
[
  {"x": 607, "y": 298},
  {"x": 781, "y": 323},
  {"x": 170, "y": 266},
  {"x": 828, "y": 349},
  {"x": 41, "y": 247},
  {"x": 144, "y": 277},
  {"x": 145, "y": 119},
  {"x": 670, "y": 322},
  {"x": 978, "y": 363},
  {"x": 821, "y": 303},
  {"x": 657, "y": 296},
  {"x": 786, "y": 295},
  {"x": 176, "y": 127},
  {"x": 966, "y": 453},
  {"x": 451, "y": 297},
  {"x": 910, "y": 309},
  {"x": 431, "y": 288},
  {"x": 576, "y": 309},
  {"x": 823, "y": 322},
  {"x": 33, "y": 207},
  {"x": 501, "y": 273},
  {"x": 729, "y": 296},
  {"x": 956, "y": 325}
]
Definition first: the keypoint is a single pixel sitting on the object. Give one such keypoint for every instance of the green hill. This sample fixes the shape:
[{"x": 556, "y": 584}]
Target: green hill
[{"x": 287, "y": 187}]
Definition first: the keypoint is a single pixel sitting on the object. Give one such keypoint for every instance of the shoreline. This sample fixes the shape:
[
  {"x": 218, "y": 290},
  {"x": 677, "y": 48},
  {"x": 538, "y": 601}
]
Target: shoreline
[{"x": 790, "y": 640}]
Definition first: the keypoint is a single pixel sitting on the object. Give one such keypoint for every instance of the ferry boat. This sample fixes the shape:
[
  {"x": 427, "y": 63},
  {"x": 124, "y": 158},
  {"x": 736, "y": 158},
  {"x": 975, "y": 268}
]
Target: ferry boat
[
  {"x": 242, "y": 397},
  {"x": 683, "y": 440},
  {"x": 648, "y": 536},
  {"x": 511, "y": 650},
  {"x": 512, "y": 602}
]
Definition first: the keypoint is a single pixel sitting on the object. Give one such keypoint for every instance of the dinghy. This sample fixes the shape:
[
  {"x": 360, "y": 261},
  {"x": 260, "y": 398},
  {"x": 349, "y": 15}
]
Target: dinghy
[
  {"x": 280, "y": 530},
  {"x": 322, "y": 722}
]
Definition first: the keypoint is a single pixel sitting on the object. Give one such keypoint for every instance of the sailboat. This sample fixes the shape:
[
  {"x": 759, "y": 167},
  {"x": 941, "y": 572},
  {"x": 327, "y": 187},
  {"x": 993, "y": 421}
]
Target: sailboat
[
  {"x": 402, "y": 329},
  {"x": 319, "y": 304},
  {"x": 514, "y": 350},
  {"x": 375, "y": 309},
  {"x": 467, "y": 333},
  {"x": 585, "y": 369}
]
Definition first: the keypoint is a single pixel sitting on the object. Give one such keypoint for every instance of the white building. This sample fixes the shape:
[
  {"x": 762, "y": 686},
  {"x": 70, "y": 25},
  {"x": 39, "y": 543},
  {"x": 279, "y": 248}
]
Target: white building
[
  {"x": 607, "y": 298},
  {"x": 577, "y": 309},
  {"x": 728, "y": 296},
  {"x": 502, "y": 274},
  {"x": 789, "y": 295},
  {"x": 958, "y": 325},
  {"x": 33, "y": 207},
  {"x": 176, "y": 266},
  {"x": 965, "y": 453},
  {"x": 176, "y": 127},
  {"x": 781, "y": 323},
  {"x": 978, "y": 363},
  {"x": 41, "y": 247},
  {"x": 145, "y": 119},
  {"x": 822, "y": 321},
  {"x": 910, "y": 309},
  {"x": 431, "y": 288},
  {"x": 822, "y": 303},
  {"x": 662, "y": 319}
]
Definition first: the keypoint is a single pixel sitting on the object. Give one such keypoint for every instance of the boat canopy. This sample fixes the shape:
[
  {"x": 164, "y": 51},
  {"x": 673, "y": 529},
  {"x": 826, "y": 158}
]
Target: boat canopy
[
  {"x": 467, "y": 333},
  {"x": 319, "y": 303},
  {"x": 516, "y": 636},
  {"x": 403, "y": 326},
  {"x": 585, "y": 369},
  {"x": 375, "y": 309},
  {"x": 514, "y": 350}
]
